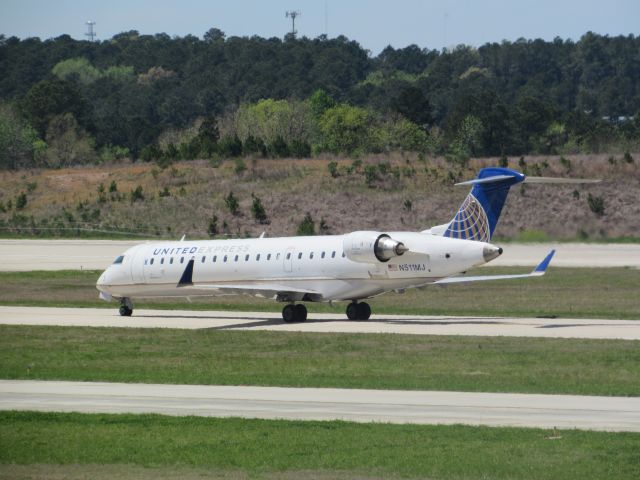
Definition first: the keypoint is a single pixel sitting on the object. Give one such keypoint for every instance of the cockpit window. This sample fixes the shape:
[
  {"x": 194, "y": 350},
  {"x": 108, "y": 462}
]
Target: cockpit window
[{"x": 118, "y": 260}]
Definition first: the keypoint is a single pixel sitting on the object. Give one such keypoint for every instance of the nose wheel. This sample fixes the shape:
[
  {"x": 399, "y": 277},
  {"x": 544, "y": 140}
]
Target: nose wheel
[
  {"x": 126, "y": 307},
  {"x": 358, "y": 311},
  {"x": 294, "y": 313}
]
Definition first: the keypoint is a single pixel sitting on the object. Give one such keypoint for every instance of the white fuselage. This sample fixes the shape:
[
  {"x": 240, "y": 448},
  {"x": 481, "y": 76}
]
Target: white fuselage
[{"x": 316, "y": 264}]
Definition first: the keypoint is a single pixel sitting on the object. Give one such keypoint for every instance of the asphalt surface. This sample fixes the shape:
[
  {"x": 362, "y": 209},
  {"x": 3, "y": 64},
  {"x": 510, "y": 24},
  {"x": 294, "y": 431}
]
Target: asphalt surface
[
  {"x": 391, "y": 406},
  {"x": 25, "y": 255},
  {"x": 326, "y": 322}
]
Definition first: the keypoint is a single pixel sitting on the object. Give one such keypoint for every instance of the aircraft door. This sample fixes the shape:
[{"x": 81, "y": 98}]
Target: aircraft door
[
  {"x": 288, "y": 259},
  {"x": 137, "y": 265}
]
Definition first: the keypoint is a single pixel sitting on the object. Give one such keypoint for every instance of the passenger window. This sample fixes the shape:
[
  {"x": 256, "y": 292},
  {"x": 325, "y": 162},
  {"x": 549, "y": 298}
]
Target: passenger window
[
  {"x": 203, "y": 259},
  {"x": 215, "y": 258},
  {"x": 171, "y": 261},
  {"x": 288, "y": 255},
  {"x": 278, "y": 256},
  {"x": 162, "y": 261},
  {"x": 225, "y": 259},
  {"x": 343, "y": 255},
  {"x": 151, "y": 262},
  {"x": 322, "y": 255},
  {"x": 311, "y": 256},
  {"x": 246, "y": 258},
  {"x": 118, "y": 260},
  {"x": 333, "y": 254},
  {"x": 269, "y": 256},
  {"x": 181, "y": 259},
  {"x": 257, "y": 257},
  {"x": 236, "y": 258},
  {"x": 299, "y": 255}
]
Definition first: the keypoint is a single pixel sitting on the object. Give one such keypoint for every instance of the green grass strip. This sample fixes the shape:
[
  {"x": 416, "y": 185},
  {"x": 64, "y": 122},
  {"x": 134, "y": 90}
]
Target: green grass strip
[
  {"x": 378, "y": 361},
  {"x": 563, "y": 292},
  {"x": 266, "y": 448}
]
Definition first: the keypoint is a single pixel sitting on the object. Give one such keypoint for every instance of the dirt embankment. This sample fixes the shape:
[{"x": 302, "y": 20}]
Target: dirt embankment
[{"x": 378, "y": 192}]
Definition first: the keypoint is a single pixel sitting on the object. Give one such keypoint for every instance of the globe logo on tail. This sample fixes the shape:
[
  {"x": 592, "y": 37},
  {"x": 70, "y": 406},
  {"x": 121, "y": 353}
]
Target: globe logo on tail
[{"x": 470, "y": 223}]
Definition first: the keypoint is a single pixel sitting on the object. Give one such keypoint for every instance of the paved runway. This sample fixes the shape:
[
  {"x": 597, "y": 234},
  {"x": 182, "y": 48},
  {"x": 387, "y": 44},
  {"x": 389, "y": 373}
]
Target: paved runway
[
  {"x": 393, "y": 406},
  {"x": 326, "y": 322},
  {"x": 24, "y": 255}
]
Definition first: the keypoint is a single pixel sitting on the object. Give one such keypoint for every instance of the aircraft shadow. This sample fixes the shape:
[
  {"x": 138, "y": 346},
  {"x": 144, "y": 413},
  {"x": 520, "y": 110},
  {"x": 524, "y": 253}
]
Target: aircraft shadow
[{"x": 261, "y": 321}]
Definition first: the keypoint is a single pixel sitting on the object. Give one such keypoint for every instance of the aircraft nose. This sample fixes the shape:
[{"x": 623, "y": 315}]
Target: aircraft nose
[
  {"x": 489, "y": 252},
  {"x": 102, "y": 280}
]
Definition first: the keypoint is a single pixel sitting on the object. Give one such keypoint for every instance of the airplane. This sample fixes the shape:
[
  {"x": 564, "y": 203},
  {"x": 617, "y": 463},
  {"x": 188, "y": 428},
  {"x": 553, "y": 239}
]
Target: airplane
[{"x": 350, "y": 267}]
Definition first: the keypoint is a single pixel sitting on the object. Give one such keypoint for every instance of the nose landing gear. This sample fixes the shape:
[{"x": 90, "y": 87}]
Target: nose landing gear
[
  {"x": 358, "y": 311},
  {"x": 126, "y": 307}
]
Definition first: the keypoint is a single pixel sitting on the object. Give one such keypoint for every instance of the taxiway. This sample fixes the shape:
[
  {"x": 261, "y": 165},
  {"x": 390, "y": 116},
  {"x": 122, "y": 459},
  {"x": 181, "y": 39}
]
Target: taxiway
[
  {"x": 392, "y": 406},
  {"x": 326, "y": 322}
]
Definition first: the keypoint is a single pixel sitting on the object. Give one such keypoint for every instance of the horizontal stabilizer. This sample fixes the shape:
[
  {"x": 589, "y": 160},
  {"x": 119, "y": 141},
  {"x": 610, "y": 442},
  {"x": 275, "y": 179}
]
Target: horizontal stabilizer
[
  {"x": 560, "y": 180},
  {"x": 492, "y": 179},
  {"x": 540, "y": 270}
]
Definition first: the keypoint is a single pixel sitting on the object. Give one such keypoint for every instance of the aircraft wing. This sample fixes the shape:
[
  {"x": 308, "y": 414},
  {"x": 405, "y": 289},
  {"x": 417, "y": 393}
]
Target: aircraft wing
[
  {"x": 259, "y": 289},
  {"x": 540, "y": 270}
]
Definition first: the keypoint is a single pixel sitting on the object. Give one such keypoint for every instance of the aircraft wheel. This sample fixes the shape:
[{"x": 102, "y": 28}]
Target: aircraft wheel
[
  {"x": 352, "y": 311},
  {"x": 125, "y": 311},
  {"x": 301, "y": 313},
  {"x": 363, "y": 311},
  {"x": 289, "y": 313}
]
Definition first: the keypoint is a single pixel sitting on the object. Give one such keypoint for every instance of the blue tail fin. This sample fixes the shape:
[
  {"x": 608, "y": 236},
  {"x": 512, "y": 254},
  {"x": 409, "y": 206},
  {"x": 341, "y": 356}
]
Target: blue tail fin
[{"x": 479, "y": 213}]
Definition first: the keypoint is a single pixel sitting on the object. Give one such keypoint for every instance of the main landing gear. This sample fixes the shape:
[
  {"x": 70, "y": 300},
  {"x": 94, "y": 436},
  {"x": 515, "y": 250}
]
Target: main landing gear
[
  {"x": 358, "y": 311},
  {"x": 126, "y": 307},
  {"x": 294, "y": 313}
]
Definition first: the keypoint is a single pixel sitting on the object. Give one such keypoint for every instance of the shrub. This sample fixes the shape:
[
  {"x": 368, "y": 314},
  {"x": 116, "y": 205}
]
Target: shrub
[
  {"x": 370, "y": 174},
  {"x": 279, "y": 148},
  {"x": 151, "y": 153},
  {"x": 240, "y": 166},
  {"x": 324, "y": 228},
  {"x": 258, "y": 211},
  {"x": 230, "y": 146},
  {"x": 113, "y": 187},
  {"x": 137, "y": 195},
  {"x": 212, "y": 229},
  {"x": 21, "y": 201},
  {"x": 384, "y": 167},
  {"x": 333, "y": 169},
  {"x": 596, "y": 205},
  {"x": 307, "y": 226},
  {"x": 232, "y": 204},
  {"x": 300, "y": 149},
  {"x": 254, "y": 145},
  {"x": 627, "y": 157}
]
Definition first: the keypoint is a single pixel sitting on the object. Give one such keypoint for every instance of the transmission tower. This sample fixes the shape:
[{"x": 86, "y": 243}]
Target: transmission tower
[
  {"x": 293, "y": 14},
  {"x": 91, "y": 35}
]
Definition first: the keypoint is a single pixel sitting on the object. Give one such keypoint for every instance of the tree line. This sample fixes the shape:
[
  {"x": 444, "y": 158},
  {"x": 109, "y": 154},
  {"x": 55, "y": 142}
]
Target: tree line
[{"x": 160, "y": 98}]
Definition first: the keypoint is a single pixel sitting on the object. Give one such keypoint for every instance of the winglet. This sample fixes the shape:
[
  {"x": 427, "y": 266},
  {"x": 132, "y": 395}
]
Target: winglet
[
  {"x": 541, "y": 269},
  {"x": 187, "y": 277}
]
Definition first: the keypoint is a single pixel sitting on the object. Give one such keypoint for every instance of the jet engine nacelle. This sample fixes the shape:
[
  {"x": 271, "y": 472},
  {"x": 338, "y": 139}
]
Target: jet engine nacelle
[{"x": 371, "y": 247}]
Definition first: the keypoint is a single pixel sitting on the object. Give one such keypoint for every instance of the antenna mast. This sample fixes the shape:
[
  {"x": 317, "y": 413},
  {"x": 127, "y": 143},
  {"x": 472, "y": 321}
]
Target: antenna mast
[
  {"x": 293, "y": 14},
  {"x": 91, "y": 35}
]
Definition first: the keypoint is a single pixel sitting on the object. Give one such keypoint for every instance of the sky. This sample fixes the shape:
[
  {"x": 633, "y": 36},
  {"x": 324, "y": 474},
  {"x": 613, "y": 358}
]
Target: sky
[{"x": 432, "y": 24}]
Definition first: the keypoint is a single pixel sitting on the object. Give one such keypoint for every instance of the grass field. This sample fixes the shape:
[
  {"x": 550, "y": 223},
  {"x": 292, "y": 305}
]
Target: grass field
[
  {"x": 379, "y": 361},
  {"x": 563, "y": 292},
  {"x": 237, "y": 448}
]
